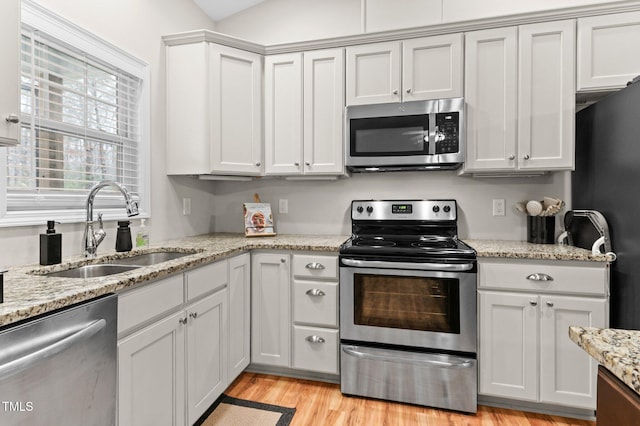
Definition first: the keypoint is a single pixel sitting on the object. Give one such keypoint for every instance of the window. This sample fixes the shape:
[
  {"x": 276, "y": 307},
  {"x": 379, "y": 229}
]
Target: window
[{"x": 84, "y": 109}]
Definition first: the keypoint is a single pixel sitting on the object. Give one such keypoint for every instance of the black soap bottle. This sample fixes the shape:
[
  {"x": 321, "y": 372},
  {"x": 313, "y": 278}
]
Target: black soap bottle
[
  {"x": 50, "y": 245},
  {"x": 123, "y": 237}
]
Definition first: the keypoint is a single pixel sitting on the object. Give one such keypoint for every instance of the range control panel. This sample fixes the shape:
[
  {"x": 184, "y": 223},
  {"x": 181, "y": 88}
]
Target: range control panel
[{"x": 431, "y": 210}]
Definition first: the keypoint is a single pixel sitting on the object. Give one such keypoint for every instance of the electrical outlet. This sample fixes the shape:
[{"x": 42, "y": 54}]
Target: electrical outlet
[
  {"x": 186, "y": 206},
  {"x": 498, "y": 207},
  {"x": 283, "y": 206}
]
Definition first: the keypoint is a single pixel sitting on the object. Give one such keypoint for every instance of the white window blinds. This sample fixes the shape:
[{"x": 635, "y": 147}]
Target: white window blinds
[{"x": 80, "y": 125}]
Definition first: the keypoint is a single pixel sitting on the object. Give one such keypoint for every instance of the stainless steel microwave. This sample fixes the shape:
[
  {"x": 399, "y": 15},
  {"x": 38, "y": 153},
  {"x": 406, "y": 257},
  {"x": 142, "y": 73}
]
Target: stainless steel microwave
[{"x": 420, "y": 135}]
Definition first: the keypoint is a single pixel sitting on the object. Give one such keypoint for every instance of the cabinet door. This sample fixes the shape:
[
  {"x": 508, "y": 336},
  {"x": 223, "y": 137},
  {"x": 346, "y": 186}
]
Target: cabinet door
[
  {"x": 568, "y": 375},
  {"x": 546, "y": 98},
  {"x": 491, "y": 99},
  {"x": 373, "y": 73},
  {"x": 10, "y": 77},
  {"x": 508, "y": 357},
  {"x": 239, "y": 315},
  {"x": 607, "y": 51},
  {"x": 283, "y": 114},
  {"x": 206, "y": 353},
  {"x": 323, "y": 109},
  {"x": 236, "y": 108},
  {"x": 432, "y": 67},
  {"x": 151, "y": 375},
  {"x": 270, "y": 309}
]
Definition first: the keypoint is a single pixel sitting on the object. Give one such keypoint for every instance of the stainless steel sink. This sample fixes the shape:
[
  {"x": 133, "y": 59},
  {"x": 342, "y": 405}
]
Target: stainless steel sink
[
  {"x": 92, "y": 271},
  {"x": 146, "y": 259}
]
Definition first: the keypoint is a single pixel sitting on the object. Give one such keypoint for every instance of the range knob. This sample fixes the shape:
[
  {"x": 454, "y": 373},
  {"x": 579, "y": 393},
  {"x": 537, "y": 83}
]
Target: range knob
[
  {"x": 360, "y": 209},
  {"x": 447, "y": 209},
  {"x": 436, "y": 209},
  {"x": 369, "y": 209}
]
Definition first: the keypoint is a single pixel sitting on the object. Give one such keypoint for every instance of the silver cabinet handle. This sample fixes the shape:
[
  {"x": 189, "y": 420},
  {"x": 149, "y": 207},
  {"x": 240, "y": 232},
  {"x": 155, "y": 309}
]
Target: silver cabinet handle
[
  {"x": 526, "y": 157},
  {"x": 539, "y": 277},
  {"x": 296, "y": 164},
  {"x": 307, "y": 163},
  {"x": 533, "y": 303},
  {"x": 182, "y": 321},
  {"x": 283, "y": 259},
  {"x": 193, "y": 315},
  {"x": 512, "y": 157},
  {"x": 315, "y": 292},
  {"x": 314, "y": 339},
  {"x": 395, "y": 92},
  {"x": 550, "y": 304},
  {"x": 13, "y": 118},
  {"x": 408, "y": 90},
  {"x": 314, "y": 265},
  {"x": 258, "y": 164},
  {"x": 26, "y": 361}
]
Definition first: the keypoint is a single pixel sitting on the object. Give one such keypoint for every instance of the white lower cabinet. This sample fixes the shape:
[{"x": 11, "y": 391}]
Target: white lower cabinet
[
  {"x": 175, "y": 357},
  {"x": 524, "y": 348},
  {"x": 295, "y": 311}
]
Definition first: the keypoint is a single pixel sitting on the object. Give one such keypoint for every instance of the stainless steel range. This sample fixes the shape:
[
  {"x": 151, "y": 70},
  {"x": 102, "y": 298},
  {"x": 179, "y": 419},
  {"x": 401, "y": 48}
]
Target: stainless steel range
[{"x": 408, "y": 305}]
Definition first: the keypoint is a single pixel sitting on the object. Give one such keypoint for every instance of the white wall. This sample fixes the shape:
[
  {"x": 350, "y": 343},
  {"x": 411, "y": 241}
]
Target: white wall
[
  {"x": 282, "y": 21},
  {"x": 135, "y": 26},
  {"x": 322, "y": 207}
]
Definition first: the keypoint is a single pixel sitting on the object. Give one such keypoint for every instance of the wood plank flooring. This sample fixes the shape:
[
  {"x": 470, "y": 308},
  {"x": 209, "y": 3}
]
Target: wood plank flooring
[{"x": 320, "y": 403}]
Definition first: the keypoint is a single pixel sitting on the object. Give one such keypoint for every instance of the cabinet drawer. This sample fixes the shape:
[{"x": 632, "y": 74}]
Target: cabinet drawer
[
  {"x": 315, "y": 266},
  {"x": 315, "y": 303},
  {"x": 206, "y": 278},
  {"x": 563, "y": 277},
  {"x": 140, "y": 305},
  {"x": 315, "y": 349}
]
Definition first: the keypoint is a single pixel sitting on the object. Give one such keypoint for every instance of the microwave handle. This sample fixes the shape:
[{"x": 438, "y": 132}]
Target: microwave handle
[
  {"x": 420, "y": 266},
  {"x": 433, "y": 131}
]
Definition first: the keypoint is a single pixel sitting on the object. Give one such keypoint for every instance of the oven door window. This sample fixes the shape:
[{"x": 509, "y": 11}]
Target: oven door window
[
  {"x": 410, "y": 303},
  {"x": 390, "y": 136}
]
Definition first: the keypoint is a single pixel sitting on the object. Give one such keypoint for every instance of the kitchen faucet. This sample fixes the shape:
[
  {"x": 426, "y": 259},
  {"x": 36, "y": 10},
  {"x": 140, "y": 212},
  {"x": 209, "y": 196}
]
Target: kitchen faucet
[{"x": 91, "y": 238}]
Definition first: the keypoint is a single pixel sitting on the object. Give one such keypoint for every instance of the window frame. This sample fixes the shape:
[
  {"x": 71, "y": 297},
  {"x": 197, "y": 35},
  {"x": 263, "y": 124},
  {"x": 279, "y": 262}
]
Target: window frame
[{"x": 59, "y": 28}]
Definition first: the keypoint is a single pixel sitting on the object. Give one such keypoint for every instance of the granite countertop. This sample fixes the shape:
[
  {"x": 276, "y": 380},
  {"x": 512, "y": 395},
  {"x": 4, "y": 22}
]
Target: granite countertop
[
  {"x": 525, "y": 250},
  {"x": 28, "y": 293},
  {"x": 617, "y": 350}
]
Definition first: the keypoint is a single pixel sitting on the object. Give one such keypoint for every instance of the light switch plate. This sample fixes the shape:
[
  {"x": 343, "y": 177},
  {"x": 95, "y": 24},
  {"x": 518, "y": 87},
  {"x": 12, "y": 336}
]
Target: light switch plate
[
  {"x": 283, "y": 206},
  {"x": 499, "y": 207}
]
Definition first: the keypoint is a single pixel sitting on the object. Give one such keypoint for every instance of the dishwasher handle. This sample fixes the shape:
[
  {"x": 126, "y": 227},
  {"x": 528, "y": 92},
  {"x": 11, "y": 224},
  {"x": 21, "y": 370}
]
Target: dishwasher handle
[{"x": 66, "y": 342}]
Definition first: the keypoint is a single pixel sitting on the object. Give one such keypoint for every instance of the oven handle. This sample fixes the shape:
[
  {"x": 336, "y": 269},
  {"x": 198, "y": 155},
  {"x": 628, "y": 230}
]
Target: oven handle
[
  {"x": 428, "y": 362},
  {"x": 421, "y": 266}
]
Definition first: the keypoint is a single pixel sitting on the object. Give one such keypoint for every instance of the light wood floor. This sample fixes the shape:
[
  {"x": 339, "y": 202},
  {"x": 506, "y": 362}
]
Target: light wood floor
[{"x": 320, "y": 403}]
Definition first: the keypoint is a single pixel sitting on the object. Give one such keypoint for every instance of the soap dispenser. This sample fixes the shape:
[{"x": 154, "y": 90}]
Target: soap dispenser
[{"x": 50, "y": 245}]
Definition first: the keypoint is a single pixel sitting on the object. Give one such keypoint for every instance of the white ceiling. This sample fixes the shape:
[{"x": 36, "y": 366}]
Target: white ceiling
[{"x": 220, "y": 9}]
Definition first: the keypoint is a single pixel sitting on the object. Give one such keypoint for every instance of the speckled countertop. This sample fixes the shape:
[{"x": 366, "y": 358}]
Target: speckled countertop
[
  {"x": 28, "y": 293},
  {"x": 524, "y": 250},
  {"x": 616, "y": 350}
]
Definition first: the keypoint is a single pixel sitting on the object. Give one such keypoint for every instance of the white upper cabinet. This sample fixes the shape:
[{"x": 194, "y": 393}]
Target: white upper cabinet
[
  {"x": 373, "y": 73},
  {"x": 415, "y": 69},
  {"x": 10, "y": 73},
  {"x": 214, "y": 110},
  {"x": 520, "y": 96},
  {"x": 608, "y": 47},
  {"x": 304, "y": 103}
]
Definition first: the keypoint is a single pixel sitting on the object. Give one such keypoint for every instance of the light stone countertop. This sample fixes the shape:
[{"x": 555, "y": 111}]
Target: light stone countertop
[
  {"x": 27, "y": 293},
  {"x": 617, "y": 350}
]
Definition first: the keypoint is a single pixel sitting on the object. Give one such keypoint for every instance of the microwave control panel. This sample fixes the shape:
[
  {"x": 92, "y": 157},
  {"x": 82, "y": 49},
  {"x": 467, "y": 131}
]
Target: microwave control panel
[{"x": 447, "y": 132}]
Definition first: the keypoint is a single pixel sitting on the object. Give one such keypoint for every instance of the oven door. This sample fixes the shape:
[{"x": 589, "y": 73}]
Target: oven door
[{"x": 409, "y": 306}]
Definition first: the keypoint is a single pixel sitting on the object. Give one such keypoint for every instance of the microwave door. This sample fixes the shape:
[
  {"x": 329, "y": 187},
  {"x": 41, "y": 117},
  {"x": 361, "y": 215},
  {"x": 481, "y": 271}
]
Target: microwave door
[{"x": 389, "y": 137}]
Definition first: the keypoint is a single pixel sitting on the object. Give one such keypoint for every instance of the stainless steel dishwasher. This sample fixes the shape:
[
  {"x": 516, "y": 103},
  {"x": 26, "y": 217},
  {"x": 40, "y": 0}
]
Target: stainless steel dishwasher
[{"x": 60, "y": 369}]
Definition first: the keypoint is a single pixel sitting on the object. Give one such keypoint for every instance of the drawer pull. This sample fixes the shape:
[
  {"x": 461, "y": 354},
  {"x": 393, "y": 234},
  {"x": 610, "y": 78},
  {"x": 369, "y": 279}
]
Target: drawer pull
[
  {"x": 539, "y": 277},
  {"x": 314, "y": 265},
  {"x": 193, "y": 315},
  {"x": 550, "y": 304},
  {"x": 315, "y": 292},
  {"x": 314, "y": 339},
  {"x": 533, "y": 303}
]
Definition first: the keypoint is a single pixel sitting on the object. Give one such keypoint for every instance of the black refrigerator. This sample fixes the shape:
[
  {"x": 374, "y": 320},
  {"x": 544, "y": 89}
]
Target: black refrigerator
[{"x": 607, "y": 179}]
